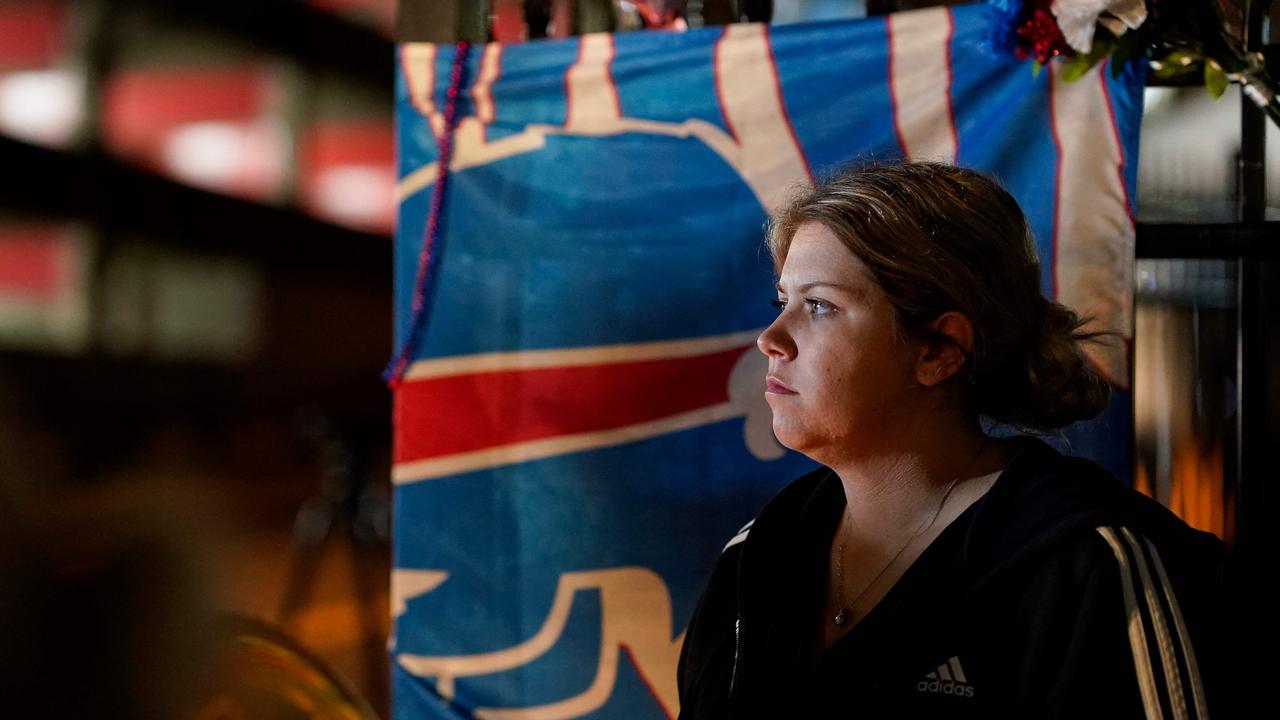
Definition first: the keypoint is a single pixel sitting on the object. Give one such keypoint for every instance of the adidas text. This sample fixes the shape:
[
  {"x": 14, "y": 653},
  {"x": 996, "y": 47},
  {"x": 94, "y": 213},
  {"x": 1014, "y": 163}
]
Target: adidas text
[{"x": 945, "y": 687}]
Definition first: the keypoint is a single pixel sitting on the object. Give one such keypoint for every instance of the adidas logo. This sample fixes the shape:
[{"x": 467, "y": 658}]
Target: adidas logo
[{"x": 948, "y": 679}]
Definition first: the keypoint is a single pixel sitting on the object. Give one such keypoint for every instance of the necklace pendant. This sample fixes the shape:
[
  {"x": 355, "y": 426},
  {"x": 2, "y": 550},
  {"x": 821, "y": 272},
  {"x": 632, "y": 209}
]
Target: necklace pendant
[{"x": 842, "y": 615}]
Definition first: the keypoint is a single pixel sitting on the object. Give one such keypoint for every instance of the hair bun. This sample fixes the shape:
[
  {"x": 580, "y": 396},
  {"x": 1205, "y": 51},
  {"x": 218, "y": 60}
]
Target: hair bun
[{"x": 1052, "y": 384}]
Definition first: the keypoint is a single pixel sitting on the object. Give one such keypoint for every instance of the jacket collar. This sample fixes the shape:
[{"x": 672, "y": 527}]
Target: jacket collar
[{"x": 1036, "y": 501}]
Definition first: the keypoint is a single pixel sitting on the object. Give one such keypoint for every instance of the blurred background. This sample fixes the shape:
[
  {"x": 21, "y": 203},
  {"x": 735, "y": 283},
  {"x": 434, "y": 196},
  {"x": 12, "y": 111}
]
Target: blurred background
[
  {"x": 195, "y": 232},
  {"x": 196, "y": 213}
]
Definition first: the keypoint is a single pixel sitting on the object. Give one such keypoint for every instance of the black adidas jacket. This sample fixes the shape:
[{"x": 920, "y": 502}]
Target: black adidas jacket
[{"x": 1058, "y": 594}]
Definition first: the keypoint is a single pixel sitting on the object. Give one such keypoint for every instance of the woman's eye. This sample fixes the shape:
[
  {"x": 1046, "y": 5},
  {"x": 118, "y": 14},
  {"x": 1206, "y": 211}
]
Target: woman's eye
[
  {"x": 818, "y": 307},
  {"x": 779, "y": 305}
]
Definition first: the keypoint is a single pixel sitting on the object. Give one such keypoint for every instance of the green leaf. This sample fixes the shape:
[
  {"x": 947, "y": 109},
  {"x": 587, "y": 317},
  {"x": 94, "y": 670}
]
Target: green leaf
[
  {"x": 1076, "y": 67},
  {"x": 1215, "y": 81},
  {"x": 1177, "y": 64},
  {"x": 1036, "y": 67},
  {"x": 1167, "y": 74}
]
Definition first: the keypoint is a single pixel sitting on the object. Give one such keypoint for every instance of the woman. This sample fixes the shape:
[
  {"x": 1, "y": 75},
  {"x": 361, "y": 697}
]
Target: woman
[{"x": 928, "y": 570}]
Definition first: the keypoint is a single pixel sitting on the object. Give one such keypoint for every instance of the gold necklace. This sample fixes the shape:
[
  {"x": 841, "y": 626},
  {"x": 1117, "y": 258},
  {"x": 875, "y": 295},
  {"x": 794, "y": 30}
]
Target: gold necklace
[{"x": 842, "y": 612}]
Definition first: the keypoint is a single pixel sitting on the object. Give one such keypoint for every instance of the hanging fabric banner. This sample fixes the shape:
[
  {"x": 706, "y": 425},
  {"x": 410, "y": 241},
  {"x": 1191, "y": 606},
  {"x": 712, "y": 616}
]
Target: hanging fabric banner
[{"x": 581, "y": 426}]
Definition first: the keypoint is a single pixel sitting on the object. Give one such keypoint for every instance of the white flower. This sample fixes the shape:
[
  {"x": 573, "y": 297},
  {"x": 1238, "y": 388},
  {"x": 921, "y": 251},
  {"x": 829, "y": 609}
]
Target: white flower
[{"x": 1077, "y": 19}]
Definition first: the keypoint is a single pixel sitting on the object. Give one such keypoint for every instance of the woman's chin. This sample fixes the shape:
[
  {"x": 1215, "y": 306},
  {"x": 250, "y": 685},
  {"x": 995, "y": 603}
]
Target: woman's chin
[
  {"x": 804, "y": 440},
  {"x": 790, "y": 437}
]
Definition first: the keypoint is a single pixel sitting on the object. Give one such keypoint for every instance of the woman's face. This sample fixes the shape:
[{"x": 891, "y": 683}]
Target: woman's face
[{"x": 839, "y": 374}]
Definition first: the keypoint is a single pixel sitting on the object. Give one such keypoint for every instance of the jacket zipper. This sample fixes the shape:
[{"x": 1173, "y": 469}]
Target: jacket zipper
[{"x": 737, "y": 651}]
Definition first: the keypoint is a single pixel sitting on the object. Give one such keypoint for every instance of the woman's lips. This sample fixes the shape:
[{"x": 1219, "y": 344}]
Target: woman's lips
[{"x": 772, "y": 385}]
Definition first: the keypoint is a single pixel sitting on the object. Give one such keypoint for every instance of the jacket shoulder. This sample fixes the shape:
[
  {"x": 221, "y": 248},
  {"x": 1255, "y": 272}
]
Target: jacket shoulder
[{"x": 1116, "y": 620}]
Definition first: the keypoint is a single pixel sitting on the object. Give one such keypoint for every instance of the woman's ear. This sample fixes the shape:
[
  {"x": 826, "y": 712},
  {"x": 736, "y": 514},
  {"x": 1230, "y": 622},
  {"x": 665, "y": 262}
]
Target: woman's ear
[{"x": 947, "y": 352}]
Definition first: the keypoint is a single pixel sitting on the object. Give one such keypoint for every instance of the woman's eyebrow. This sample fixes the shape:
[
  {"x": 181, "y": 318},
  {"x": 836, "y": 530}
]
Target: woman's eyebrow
[{"x": 820, "y": 283}]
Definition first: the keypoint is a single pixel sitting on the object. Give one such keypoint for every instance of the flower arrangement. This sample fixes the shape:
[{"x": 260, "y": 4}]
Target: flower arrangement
[{"x": 1179, "y": 38}]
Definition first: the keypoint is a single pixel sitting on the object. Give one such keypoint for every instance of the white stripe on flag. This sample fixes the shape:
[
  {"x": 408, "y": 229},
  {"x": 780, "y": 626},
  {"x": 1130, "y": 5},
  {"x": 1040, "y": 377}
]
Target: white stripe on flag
[
  {"x": 593, "y": 99},
  {"x": 764, "y": 151},
  {"x": 770, "y": 158},
  {"x": 407, "y": 583},
  {"x": 418, "y": 63},
  {"x": 920, "y": 83},
  {"x": 635, "y": 614},
  {"x": 1093, "y": 235},
  {"x": 578, "y": 356}
]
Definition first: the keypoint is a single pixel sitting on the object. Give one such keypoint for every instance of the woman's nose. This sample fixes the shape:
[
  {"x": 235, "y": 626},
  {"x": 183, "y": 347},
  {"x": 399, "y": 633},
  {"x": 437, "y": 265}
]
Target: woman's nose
[{"x": 776, "y": 342}]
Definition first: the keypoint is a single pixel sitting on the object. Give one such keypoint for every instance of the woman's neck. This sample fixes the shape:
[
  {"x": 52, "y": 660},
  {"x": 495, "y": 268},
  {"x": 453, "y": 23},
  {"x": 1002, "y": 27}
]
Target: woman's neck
[
  {"x": 897, "y": 506},
  {"x": 888, "y": 492}
]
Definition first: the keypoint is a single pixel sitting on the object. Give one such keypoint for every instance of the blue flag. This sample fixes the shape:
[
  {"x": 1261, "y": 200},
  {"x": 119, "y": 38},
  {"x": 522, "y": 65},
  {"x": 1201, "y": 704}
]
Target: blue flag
[{"x": 582, "y": 426}]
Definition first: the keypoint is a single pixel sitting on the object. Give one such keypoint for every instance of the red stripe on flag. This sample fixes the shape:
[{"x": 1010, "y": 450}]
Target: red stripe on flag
[{"x": 463, "y": 413}]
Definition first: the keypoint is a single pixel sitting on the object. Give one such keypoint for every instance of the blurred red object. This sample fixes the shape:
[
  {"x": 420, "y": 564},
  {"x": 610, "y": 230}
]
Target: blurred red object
[
  {"x": 661, "y": 14},
  {"x": 508, "y": 21},
  {"x": 33, "y": 259},
  {"x": 43, "y": 286},
  {"x": 218, "y": 128},
  {"x": 41, "y": 87},
  {"x": 347, "y": 173},
  {"x": 33, "y": 33}
]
